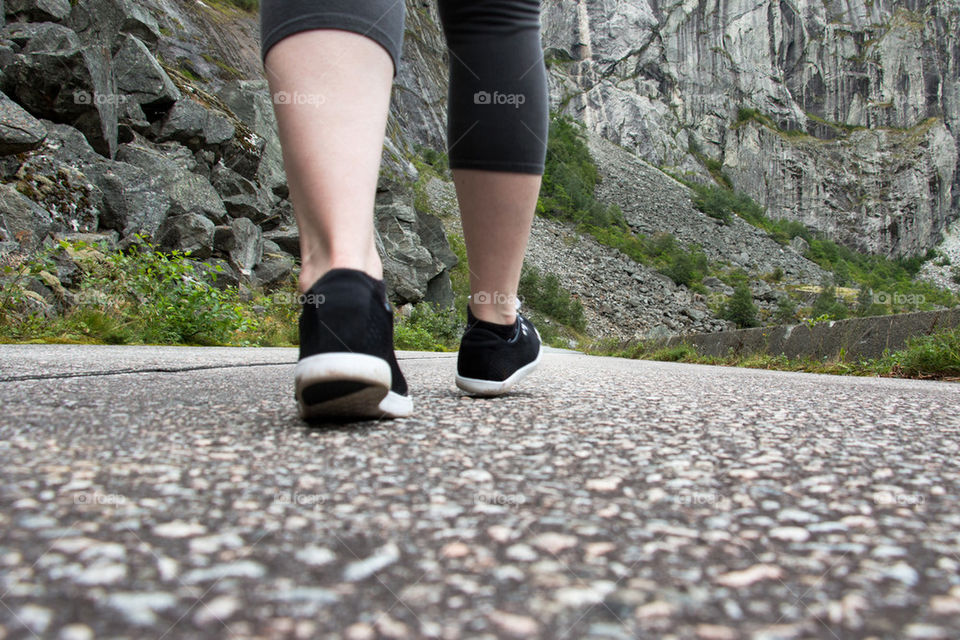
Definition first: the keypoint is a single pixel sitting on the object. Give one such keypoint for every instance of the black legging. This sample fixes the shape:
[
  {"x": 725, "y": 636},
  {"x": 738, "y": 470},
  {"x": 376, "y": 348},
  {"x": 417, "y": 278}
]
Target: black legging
[{"x": 497, "y": 107}]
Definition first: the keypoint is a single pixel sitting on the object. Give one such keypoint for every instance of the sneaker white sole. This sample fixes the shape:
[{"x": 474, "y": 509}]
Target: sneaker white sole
[
  {"x": 395, "y": 405},
  {"x": 370, "y": 373},
  {"x": 493, "y": 387}
]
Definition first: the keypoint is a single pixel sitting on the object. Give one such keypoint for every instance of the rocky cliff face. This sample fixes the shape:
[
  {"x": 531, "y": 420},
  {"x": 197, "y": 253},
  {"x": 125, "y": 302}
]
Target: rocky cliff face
[
  {"x": 843, "y": 114},
  {"x": 120, "y": 118}
]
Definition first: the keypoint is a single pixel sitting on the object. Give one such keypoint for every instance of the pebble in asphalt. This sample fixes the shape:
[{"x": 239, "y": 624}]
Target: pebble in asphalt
[{"x": 167, "y": 493}]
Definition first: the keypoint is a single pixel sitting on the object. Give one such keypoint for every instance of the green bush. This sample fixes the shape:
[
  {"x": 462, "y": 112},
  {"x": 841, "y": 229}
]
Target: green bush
[
  {"x": 428, "y": 328},
  {"x": 740, "y": 308},
  {"x": 176, "y": 304},
  {"x": 143, "y": 295},
  {"x": 848, "y": 266},
  {"x": 828, "y": 305},
  {"x": 934, "y": 355},
  {"x": 723, "y": 204},
  {"x": 246, "y": 5},
  {"x": 682, "y": 352},
  {"x": 569, "y": 179},
  {"x": 894, "y": 277},
  {"x": 786, "y": 312},
  {"x": 544, "y": 294}
]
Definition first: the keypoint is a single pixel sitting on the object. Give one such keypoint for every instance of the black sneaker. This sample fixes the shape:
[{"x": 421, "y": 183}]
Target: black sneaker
[
  {"x": 347, "y": 366},
  {"x": 494, "y": 357}
]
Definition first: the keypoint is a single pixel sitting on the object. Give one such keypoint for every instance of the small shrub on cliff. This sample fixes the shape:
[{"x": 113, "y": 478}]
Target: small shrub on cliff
[
  {"x": 569, "y": 179},
  {"x": 246, "y": 5},
  {"x": 740, "y": 308},
  {"x": 828, "y": 304},
  {"x": 723, "y": 204},
  {"x": 543, "y": 293}
]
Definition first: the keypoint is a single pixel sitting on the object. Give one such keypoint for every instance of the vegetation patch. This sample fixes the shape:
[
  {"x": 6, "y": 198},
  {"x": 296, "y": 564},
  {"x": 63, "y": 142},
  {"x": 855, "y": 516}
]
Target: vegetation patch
[
  {"x": 880, "y": 284},
  {"x": 544, "y": 293},
  {"x": 569, "y": 181},
  {"x": 138, "y": 296},
  {"x": 428, "y": 327},
  {"x": 935, "y": 356}
]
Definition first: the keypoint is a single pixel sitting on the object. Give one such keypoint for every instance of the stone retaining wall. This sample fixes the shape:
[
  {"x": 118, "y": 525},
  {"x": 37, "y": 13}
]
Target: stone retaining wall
[{"x": 858, "y": 337}]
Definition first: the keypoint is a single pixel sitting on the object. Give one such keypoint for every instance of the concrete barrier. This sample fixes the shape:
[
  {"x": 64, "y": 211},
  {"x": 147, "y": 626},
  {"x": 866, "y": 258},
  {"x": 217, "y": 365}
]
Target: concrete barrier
[{"x": 858, "y": 337}]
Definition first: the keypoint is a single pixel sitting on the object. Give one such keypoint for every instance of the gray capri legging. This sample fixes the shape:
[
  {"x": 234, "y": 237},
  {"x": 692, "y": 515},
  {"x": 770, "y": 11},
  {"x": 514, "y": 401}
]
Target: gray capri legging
[{"x": 497, "y": 108}]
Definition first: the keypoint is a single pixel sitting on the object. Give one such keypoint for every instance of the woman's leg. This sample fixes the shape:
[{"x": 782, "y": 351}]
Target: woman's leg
[
  {"x": 497, "y": 211},
  {"x": 496, "y": 138},
  {"x": 497, "y": 131},
  {"x": 330, "y": 64},
  {"x": 331, "y": 130}
]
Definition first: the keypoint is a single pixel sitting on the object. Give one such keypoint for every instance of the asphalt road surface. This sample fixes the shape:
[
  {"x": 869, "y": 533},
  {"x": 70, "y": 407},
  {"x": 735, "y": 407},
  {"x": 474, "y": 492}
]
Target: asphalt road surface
[{"x": 156, "y": 493}]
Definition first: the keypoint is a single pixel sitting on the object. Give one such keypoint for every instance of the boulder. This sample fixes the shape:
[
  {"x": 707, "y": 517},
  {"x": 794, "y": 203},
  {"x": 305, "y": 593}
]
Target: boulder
[
  {"x": 287, "y": 237},
  {"x": 186, "y": 190},
  {"x": 131, "y": 120},
  {"x": 243, "y": 152},
  {"x": 10, "y": 252},
  {"x": 219, "y": 272},
  {"x": 19, "y": 131},
  {"x": 187, "y": 232},
  {"x": 41, "y": 36},
  {"x": 141, "y": 77},
  {"x": 134, "y": 201},
  {"x": 408, "y": 264},
  {"x": 274, "y": 269},
  {"x": 242, "y": 198},
  {"x": 22, "y": 220},
  {"x": 243, "y": 242},
  {"x": 251, "y": 101},
  {"x": 434, "y": 238},
  {"x": 191, "y": 124},
  {"x": 72, "y": 86},
  {"x": 64, "y": 191},
  {"x": 38, "y": 10},
  {"x": 799, "y": 245},
  {"x": 68, "y": 144},
  {"x": 7, "y": 54},
  {"x": 280, "y": 216},
  {"x": 107, "y": 21}
]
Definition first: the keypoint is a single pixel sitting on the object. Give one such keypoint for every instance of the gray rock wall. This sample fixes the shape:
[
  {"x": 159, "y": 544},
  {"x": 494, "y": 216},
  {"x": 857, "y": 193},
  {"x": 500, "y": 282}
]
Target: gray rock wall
[{"x": 108, "y": 128}]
